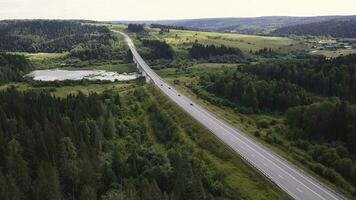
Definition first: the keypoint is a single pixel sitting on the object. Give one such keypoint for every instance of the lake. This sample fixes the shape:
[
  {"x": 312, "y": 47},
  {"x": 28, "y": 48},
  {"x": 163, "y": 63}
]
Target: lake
[{"x": 61, "y": 75}]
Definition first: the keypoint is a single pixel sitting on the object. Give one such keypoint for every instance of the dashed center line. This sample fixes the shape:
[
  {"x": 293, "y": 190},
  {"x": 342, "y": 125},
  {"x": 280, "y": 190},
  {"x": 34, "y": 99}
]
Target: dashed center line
[{"x": 299, "y": 190}]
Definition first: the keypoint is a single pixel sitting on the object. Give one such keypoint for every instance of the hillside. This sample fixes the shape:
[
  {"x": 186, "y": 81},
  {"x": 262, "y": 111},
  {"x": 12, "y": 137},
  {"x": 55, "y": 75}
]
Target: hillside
[
  {"x": 255, "y": 25},
  {"x": 49, "y": 36},
  {"x": 335, "y": 28}
]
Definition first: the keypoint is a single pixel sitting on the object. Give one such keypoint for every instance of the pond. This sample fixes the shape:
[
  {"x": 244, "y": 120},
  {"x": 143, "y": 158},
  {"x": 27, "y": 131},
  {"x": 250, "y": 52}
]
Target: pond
[{"x": 61, "y": 75}]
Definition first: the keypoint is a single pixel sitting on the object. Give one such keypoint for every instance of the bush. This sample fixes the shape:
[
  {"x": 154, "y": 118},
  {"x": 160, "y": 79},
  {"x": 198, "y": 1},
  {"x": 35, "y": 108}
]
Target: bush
[{"x": 262, "y": 123}]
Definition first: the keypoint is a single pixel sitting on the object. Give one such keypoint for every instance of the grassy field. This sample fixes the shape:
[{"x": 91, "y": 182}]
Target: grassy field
[
  {"x": 63, "y": 91},
  {"x": 182, "y": 39},
  {"x": 334, "y": 54}
]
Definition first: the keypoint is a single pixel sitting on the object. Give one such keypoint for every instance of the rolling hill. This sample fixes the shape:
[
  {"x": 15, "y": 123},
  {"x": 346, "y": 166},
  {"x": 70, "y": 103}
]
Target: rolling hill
[
  {"x": 256, "y": 25},
  {"x": 335, "y": 28}
]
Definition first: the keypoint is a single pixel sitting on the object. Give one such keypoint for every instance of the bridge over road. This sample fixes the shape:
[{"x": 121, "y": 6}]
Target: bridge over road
[{"x": 288, "y": 177}]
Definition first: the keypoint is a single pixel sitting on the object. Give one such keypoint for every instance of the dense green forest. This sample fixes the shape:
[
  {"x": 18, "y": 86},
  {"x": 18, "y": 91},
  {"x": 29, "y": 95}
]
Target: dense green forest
[
  {"x": 335, "y": 77},
  {"x": 157, "y": 50},
  {"x": 160, "y": 49},
  {"x": 213, "y": 53},
  {"x": 334, "y": 28},
  {"x": 48, "y": 35},
  {"x": 12, "y": 67},
  {"x": 98, "y": 147},
  {"x": 136, "y": 28},
  {"x": 167, "y": 27},
  {"x": 83, "y": 41},
  {"x": 326, "y": 130},
  {"x": 266, "y": 53},
  {"x": 247, "y": 90}
]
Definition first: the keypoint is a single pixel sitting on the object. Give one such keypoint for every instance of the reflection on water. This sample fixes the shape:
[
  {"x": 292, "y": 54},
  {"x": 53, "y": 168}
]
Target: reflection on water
[{"x": 60, "y": 75}]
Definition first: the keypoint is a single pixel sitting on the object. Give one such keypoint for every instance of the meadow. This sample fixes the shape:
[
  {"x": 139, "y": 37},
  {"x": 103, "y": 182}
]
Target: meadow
[{"x": 181, "y": 39}]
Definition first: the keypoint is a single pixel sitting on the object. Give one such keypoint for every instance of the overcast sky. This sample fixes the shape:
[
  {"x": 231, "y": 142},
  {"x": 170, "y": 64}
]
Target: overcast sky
[{"x": 169, "y": 9}]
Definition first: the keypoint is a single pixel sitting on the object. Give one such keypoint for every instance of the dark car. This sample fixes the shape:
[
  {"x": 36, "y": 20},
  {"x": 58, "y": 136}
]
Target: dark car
[
  {"x": 179, "y": 95},
  {"x": 191, "y": 104}
]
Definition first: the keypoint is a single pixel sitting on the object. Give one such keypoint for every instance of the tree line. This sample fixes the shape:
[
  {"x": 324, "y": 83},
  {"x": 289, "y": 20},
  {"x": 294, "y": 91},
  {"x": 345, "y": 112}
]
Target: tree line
[
  {"x": 246, "y": 90},
  {"x": 213, "y": 53},
  {"x": 86, "y": 42},
  {"x": 335, "y": 28},
  {"x": 12, "y": 67},
  {"x": 266, "y": 53},
  {"x": 136, "y": 28},
  {"x": 335, "y": 77},
  {"x": 157, "y": 49},
  {"x": 47, "y": 35}
]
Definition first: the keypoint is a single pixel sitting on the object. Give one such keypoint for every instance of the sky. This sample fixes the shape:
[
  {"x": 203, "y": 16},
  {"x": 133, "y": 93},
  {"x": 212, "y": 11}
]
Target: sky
[{"x": 169, "y": 9}]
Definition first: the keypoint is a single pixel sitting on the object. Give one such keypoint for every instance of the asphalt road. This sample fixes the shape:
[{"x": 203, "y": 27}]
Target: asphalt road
[{"x": 293, "y": 181}]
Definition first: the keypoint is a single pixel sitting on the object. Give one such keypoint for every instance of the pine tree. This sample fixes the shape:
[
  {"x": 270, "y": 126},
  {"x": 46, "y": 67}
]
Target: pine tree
[
  {"x": 17, "y": 166},
  {"x": 87, "y": 193},
  {"x": 46, "y": 185}
]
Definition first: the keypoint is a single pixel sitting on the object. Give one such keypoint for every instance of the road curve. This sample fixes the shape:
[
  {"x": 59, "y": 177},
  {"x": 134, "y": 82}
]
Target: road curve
[{"x": 293, "y": 181}]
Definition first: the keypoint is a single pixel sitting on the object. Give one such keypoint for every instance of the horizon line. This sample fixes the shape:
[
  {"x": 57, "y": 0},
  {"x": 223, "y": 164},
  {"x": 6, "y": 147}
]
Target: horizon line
[{"x": 177, "y": 19}]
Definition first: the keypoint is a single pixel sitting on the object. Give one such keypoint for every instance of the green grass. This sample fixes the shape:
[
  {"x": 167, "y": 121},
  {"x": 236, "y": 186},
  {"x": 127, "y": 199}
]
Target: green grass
[
  {"x": 182, "y": 39},
  {"x": 98, "y": 88},
  {"x": 334, "y": 54},
  {"x": 191, "y": 74},
  {"x": 63, "y": 91}
]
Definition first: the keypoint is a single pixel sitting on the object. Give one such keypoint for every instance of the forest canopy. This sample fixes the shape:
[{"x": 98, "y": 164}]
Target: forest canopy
[{"x": 12, "y": 67}]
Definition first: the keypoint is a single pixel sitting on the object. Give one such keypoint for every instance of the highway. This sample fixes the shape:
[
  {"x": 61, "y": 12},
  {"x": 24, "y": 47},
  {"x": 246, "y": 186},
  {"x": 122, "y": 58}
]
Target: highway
[{"x": 288, "y": 177}]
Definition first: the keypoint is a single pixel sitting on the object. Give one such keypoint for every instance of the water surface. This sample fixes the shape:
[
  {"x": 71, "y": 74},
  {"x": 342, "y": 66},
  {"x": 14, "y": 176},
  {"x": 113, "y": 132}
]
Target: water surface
[{"x": 61, "y": 75}]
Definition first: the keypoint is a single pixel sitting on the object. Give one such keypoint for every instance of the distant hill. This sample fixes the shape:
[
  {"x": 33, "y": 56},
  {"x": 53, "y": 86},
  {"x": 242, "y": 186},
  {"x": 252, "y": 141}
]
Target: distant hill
[
  {"x": 257, "y": 25},
  {"x": 48, "y": 35},
  {"x": 335, "y": 28}
]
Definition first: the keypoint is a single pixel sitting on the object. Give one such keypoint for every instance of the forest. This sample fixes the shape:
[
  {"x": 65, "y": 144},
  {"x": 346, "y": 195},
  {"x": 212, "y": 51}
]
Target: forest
[
  {"x": 266, "y": 53},
  {"x": 334, "y": 28},
  {"x": 97, "y": 147},
  {"x": 13, "y": 67},
  {"x": 335, "y": 77},
  {"x": 327, "y": 129},
  {"x": 247, "y": 90},
  {"x": 157, "y": 49},
  {"x": 136, "y": 28},
  {"x": 83, "y": 41},
  {"x": 214, "y": 53}
]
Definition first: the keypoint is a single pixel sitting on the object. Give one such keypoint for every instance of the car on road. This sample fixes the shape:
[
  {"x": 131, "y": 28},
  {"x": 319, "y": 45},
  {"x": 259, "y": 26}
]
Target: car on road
[
  {"x": 161, "y": 84},
  {"x": 191, "y": 104},
  {"x": 179, "y": 95},
  {"x": 169, "y": 87}
]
